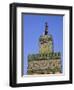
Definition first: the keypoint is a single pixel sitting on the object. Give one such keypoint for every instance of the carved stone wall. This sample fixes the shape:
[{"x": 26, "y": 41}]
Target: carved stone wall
[{"x": 44, "y": 66}]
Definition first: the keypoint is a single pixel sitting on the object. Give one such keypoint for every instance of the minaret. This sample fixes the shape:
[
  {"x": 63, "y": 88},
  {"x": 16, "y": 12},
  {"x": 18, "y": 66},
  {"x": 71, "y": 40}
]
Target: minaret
[
  {"x": 46, "y": 42},
  {"x": 46, "y": 61}
]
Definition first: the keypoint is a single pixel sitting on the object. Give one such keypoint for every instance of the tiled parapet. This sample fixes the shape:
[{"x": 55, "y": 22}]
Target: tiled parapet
[{"x": 44, "y": 56}]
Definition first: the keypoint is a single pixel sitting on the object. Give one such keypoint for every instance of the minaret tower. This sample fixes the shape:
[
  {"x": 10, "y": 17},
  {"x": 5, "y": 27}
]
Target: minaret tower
[
  {"x": 46, "y": 61},
  {"x": 46, "y": 42}
]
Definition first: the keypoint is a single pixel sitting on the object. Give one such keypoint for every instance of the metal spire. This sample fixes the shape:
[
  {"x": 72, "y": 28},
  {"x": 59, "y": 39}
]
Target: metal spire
[{"x": 46, "y": 29}]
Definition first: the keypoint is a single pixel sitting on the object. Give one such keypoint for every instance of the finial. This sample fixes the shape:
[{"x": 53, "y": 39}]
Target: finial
[{"x": 46, "y": 28}]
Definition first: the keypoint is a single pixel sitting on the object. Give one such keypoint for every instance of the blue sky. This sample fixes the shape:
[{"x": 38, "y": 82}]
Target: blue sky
[{"x": 34, "y": 26}]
